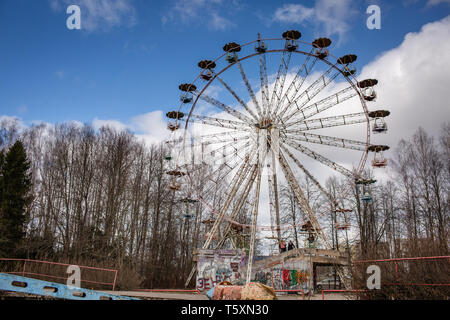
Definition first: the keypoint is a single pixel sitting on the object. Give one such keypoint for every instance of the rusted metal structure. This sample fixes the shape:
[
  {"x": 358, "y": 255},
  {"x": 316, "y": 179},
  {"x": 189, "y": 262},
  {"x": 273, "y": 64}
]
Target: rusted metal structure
[{"x": 250, "y": 138}]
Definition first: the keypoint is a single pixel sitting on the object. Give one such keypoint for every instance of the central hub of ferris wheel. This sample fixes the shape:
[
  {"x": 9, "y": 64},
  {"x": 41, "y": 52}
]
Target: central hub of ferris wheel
[
  {"x": 300, "y": 110},
  {"x": 265, "y": 123}
]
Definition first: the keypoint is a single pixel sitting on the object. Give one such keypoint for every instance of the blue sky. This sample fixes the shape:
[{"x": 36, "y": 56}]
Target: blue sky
[{"x": 131, "y": 56}]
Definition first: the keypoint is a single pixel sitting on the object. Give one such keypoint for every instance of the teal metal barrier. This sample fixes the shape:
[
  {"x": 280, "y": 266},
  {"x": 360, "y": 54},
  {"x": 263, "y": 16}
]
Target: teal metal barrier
[{"x": 15, "y": 283}]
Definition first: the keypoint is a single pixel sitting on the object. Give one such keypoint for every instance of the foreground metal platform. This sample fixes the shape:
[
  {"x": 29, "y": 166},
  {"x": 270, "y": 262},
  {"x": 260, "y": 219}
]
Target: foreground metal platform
[{"x": 31, "y": 286}]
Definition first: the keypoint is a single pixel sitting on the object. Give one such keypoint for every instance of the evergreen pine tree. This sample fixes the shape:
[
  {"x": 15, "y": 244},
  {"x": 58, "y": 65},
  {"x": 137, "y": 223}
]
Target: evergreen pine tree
[{"x": 15, "y": 184}]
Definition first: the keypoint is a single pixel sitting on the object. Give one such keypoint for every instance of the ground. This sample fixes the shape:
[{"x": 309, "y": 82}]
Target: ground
[
  {"x": 175, "y": 296},
  {"x": 192, "y": 296}
]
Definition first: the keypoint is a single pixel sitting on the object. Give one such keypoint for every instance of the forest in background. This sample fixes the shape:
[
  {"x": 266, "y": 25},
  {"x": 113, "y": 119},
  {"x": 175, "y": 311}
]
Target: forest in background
[{"x": 102, "y": 198}]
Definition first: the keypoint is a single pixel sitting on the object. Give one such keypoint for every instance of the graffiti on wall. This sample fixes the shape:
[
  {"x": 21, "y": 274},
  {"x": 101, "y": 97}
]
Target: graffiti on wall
[
  {"x": 287, "y": 276},
  {"x": 223, "y": 266}
]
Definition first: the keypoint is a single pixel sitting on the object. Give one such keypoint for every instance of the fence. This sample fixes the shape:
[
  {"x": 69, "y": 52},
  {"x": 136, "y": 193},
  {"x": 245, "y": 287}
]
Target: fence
[
  {"x": 417, "y": 277},
  {"x": 57, "y": 272}
]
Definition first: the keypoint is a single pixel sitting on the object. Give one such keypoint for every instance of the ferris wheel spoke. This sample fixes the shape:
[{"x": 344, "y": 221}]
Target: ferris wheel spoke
[
  {"x": 334, "y": 121},
  {"x": 325, "y": 140},
  {"x": 245, "y": 164},
  {"x": 249, "y": 87},
  {"x": 306, "y": 96},
  {"x": 236, "y": 151},
  {"x": 273, "y": 196},
  {"x": 264, "y": 83},
  {"x": 314, "y": 155},
  {"x": 205, "y": 138},
  {"x": 225, "y": 108},
  {"x": 204, "y": 143},
  {"x": 229, "y": 168},
  {"x": 325, "y": 104},
  {"x": 235, "y": 95},
  {"x": 271, "y": 204},
  {"x": 222, "y": 153},
  {"x": 227, "y": 193},
  {"x": 226, "y": 167},
  {"x": 219, "y": 174},
  {"x": 301, "y": 199},
  {"x": 253, "y": 227},
  {"x": 307, "y": 173},
  {"x": 216, "y": 122},
  {"x": 298, "y": 81},
  {"x": 281, "y": 78},
  {"x": 237, "y": 181},
  {"x": 237, "y": 208},
  {"x": 219, "y": 136}
]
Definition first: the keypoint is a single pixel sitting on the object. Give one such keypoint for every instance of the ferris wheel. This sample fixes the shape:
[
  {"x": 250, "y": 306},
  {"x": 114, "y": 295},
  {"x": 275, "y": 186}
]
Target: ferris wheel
[{"x": 260, "y": 114}]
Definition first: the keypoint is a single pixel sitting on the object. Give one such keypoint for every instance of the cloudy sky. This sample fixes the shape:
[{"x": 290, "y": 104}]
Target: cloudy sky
[{"x": 124, "y": 66}]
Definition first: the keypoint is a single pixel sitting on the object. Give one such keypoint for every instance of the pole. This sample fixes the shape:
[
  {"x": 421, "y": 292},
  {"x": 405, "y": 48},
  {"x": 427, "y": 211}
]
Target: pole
[
  {"x": 24, "y": 266},
  {"x": 115, "y": 278}
]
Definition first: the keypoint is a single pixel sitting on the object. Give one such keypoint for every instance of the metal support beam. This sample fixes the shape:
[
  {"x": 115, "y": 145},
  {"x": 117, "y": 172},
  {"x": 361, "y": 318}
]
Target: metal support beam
[
  {"x": 253, "y": 231},
  {"x": 303, "y": 203},
  {"x": 238, "y": 206},
  {"x": 236, "y": 183}
]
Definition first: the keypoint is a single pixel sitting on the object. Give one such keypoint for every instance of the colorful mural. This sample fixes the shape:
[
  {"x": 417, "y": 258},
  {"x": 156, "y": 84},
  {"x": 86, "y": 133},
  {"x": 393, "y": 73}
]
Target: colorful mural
[
  {"x": 291, "y": 275},
  {"x": 224, "y": 265}
]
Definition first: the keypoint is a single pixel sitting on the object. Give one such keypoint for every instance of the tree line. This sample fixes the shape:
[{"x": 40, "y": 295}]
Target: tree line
[{"x": 74, "y": 194}]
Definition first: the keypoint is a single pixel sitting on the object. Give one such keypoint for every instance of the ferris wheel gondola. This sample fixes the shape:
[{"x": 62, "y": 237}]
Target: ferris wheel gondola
[{"x": 379, "y": 124}]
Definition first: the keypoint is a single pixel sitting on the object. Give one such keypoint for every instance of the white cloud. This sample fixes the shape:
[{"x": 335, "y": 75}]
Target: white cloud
[
  {"x": 327, "y": 16},
  {"x": 293, "y": 13},
  {"x": 150, "y": 127},
  {"x": 60, "y": 74},
  {"x": 436, "y": 2},
  {"x": 100, "y": 14},
  {"x": 220, "y": 23},
  {"x": 429, "y": 3},
  {"x": 204, "y": 11},
  {"x": 413, "y": 81},
  {"x": 115, "y": 124}
]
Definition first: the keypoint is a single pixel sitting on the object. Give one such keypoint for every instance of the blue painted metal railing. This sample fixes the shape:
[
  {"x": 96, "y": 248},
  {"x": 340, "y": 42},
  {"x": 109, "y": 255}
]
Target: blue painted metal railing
[{"x": 15, "y": 283}]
